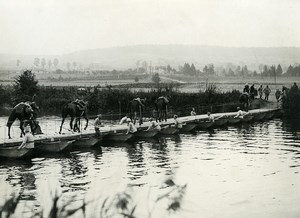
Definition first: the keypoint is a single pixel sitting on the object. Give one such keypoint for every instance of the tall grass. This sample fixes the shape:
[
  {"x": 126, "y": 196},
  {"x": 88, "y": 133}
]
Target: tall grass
[
  {"x": 121, "y": 204},
  {"x": 115, "y": 101}
]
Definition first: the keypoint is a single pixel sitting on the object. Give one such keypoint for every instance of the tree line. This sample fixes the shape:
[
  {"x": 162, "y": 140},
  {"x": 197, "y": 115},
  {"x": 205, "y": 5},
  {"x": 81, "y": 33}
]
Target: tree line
[{"x": 107, "y": 100}]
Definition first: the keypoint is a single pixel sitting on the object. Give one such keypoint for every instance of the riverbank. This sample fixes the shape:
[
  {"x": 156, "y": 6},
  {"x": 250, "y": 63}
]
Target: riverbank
[{"x": 115, "y": 101}]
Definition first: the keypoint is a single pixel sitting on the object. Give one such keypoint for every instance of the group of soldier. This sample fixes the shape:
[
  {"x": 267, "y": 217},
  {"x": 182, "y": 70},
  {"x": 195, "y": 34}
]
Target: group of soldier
[{"x": 253, "y": 92}]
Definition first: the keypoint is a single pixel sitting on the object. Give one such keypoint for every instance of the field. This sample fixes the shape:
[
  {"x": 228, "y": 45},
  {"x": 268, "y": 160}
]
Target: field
[{"x": 84, "y": 80}]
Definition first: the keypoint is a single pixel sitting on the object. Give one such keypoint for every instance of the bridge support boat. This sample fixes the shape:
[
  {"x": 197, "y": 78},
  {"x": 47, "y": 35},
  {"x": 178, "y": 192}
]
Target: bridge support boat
[
  {"x": 205, "y": 124},
  {"x": 188, "y": 127},
  {"x": 247, "y": 118},
  {"x": 15, "y": 153},
  {"x": 86, "y": 142},
  {"x": 53, "y": 146},
  {"x": 220, "y": 122},
  {"x": 232, "y": 120},
  {"x": 118, "y": 137},
  {"x": 259, "y": 116},
  {"x": 169, "y": 130},
  {"x": 269, "y": 115},
  {"x": 146, "y": 134}
]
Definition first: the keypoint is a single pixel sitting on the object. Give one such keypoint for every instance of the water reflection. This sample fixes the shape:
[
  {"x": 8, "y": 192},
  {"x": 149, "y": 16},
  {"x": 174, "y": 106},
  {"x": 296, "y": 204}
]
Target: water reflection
[
  {"x": 291, "y": 124},
  {"x": 74, "y": 173},
  {"x": 136, "y": 165},
  {"x": 20, "y": 175},
  {"x": 241, "y": 163}
]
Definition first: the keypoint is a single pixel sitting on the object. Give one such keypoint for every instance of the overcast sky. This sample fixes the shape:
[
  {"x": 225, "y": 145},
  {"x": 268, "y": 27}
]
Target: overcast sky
[{"x": 62, "y": 26}]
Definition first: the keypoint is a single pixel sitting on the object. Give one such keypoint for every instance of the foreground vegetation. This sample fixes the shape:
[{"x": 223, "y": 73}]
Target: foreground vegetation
[{"x": 121, "y": 204}]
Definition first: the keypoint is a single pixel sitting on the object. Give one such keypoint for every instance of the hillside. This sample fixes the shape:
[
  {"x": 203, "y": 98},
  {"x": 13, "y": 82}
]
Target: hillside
[{"x": 127, "y": 56}]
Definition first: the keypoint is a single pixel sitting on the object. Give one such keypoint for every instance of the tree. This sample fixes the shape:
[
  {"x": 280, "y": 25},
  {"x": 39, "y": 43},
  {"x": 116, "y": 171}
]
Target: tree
[
  {"x": 272, "y": 71},
  {"x": 145, "y": 65},
  {"x": 238, "y": 70},
  {"x": 49, "y": 64},
  {"x": 211, "y": 69},
  {"x": 230, "y": 72},
  {"x": 43, "y": 63},
  {"x": 36, "y": 62},
  {"x": 265, "y": 70},
  {"x": 25, "y": 86},
  {"x": 169, "y": 68},
  {"x": 136, "y": 79},
  {"x": 205, "y": 70},
  {"x": 279, "y": 70},
  {"x": 156, "y": 78},
  {"x": 18, "y": 62},
  {"x": 55, "y": 62},
  {"x": 186, "y": 69},
  {"x": 245, "y": 71},
  {"x": 137, "y": 63},
  {"x": 192, "y": 70},
  {"x": 5, "y": 95}
]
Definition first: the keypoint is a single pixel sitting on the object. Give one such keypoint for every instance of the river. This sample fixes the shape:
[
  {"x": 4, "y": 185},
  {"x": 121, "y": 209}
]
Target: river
[{"x": 249, "y": 170}]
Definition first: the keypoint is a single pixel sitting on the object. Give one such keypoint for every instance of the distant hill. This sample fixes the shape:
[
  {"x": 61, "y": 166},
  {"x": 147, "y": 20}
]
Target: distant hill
[{"x": 175, "y": 55}]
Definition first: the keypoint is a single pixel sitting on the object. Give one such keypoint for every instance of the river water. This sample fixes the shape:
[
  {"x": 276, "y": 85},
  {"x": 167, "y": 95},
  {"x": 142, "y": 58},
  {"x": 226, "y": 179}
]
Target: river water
[{"x": 249, "y": 170}]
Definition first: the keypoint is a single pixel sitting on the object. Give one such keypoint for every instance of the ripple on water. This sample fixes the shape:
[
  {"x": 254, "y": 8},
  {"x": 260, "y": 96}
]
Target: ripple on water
[{"x": 239, "y": 161}]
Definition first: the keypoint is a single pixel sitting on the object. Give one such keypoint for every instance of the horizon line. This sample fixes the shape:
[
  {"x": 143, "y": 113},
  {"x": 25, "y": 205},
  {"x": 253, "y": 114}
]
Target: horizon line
[{"x": 136, "y": 45}]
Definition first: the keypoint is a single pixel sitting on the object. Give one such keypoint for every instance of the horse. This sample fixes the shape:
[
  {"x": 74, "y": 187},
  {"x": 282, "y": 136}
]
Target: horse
[
  {"x": 135, "y": 107},
  {"x": 24, "y": 111},
  {"x": 75, "y": 110},
  {"x": 245, "y": 100},
  {"x": 161, "y": 105}
]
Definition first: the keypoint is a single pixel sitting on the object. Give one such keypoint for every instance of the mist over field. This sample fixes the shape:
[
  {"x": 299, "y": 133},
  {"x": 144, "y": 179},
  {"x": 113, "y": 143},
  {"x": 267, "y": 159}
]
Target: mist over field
[{"x": 125, "y": 57}]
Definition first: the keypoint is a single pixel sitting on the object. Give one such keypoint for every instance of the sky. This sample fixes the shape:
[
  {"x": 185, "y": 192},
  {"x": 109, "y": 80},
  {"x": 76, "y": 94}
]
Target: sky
[{"x": 55, "y": 27}]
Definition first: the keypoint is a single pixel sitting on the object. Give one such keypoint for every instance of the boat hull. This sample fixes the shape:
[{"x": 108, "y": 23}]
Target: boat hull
[
  {"x": 146, "y": 134},
  {"x": 118, "y": 137},
  {"x": 233, "y": 121},
  {"x": 86, "y": 142},
  {"x": 268, "y": 115},
  {"x": 14, "y": 152},
  {"x": 188, "y": 127},
  {"x": 205, "y": 124},
  {"x": 247, "y": 118},
  {"x": 259, "y": 116},
  {"x": 169, "y": 130},
  {"x": 221, "y": 122},
  {"x": 53, "y": 146}
]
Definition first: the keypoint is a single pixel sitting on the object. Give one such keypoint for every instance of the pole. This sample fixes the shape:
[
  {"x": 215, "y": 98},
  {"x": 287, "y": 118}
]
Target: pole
[{"x": 275, "y": 76}]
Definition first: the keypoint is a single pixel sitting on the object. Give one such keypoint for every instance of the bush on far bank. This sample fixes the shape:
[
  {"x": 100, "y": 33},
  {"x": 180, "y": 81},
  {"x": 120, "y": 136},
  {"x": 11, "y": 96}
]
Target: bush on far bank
[{"x": 115, "y": 101}]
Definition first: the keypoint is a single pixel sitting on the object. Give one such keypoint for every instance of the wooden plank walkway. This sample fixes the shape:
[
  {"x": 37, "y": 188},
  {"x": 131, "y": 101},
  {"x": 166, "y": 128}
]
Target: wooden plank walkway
[{"x": 120, "y": 128}]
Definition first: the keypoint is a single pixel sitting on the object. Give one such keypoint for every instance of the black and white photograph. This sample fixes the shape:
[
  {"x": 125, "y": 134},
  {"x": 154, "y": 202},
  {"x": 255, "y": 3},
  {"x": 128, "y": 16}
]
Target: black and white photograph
[{"x": 149, "y": 108}]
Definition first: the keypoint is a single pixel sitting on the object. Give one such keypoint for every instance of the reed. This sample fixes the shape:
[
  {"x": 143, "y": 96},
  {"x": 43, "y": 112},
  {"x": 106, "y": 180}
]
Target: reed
[{"x": 121, "y": 204}]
